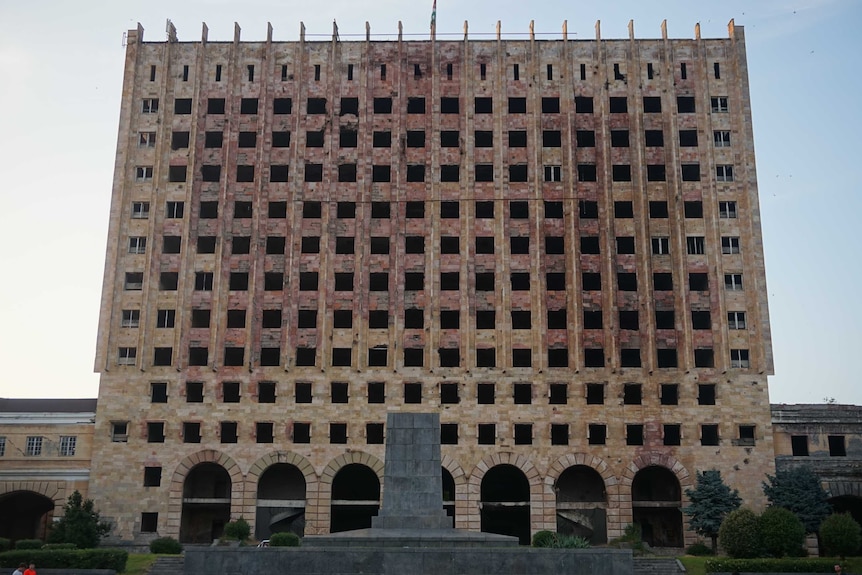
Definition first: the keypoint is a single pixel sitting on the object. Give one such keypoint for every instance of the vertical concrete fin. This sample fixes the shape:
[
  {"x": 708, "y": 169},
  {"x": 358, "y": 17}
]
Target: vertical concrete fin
[
  {"x": 237, "y": 32},
  {"x": 697, "y": 31},
  {"x": 302, "y": 32},
  {"x": 170, "y": 30},
  {"x": 400, "y": 30},
  {"x": 205, "y": 32},
  {"x": 565, "y": 30},
  {"x": 631, "y": 29},
  {"x": 598, "y": 29},
  {"x": 368, "y": 31},
  {"x": 731, "y": 28},
  {"x": 664, "y": 29},
  {"x": 269, "y": 32},
  {"x": 532, "y": 30}
]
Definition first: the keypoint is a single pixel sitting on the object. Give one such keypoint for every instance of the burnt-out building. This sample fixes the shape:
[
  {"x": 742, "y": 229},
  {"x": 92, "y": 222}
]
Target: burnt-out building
[{"x": 554, "y": 243}]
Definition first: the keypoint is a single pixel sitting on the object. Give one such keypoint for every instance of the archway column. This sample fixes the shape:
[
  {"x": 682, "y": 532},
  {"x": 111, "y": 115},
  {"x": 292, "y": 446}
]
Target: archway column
[{"x": 462, "y": 488}]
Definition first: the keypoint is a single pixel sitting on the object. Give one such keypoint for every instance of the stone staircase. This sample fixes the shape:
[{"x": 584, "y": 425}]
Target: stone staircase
[
  {"x": 657, "y": 566},
  {"x": 170, "y": 564}
]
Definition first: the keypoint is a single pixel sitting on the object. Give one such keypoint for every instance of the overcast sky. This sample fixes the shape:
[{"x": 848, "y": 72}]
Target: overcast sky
[{"x": 61, "y": 71}]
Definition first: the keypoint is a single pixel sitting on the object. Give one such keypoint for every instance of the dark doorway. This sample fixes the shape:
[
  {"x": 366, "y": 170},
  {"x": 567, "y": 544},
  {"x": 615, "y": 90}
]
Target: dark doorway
[
  {"x": 505, "y": 495},
  {"x": 656, "y": 506},
  {"x": 355, "y": 498},
  {"x": 449, "y": 494},
  {"x": 206, "y": 503},
  {"x": 582, "y": 504},
  {"x": 25, "y": 515},
  {"x": 280, "y": 501}
]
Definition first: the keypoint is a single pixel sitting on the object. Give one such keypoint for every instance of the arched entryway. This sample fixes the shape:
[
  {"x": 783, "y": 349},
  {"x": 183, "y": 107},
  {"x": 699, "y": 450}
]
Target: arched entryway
[
  {"x": 449, "y": 494},
  {"x": 657, "y": 506},
  {"x": 355, "y": 498},
  {"x": 25, "y": 515},
  {"x": 206, "y": 503},
  {"x": 505, "y": 502},
  {"x": 582, "y": 504},
  {"x": 280, "y": 501}
]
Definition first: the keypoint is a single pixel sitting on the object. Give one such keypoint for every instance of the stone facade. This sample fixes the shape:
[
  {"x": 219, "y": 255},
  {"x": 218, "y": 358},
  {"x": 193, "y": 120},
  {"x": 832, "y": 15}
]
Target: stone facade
[
  {"x": 45, "y": 457},
  {"x": 545, "y": 241}
]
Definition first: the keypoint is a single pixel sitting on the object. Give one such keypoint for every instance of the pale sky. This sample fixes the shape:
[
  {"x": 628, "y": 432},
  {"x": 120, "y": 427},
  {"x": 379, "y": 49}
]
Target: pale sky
[{"x": 61, "y": 72}]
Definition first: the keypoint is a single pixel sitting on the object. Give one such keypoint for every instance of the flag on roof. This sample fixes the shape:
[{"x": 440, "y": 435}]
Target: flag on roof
[{"x": 434, "y": 14}]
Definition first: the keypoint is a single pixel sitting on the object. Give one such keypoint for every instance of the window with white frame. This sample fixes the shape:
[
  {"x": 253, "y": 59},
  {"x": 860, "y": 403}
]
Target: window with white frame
[
  {"x": 719, "y": 104},
  {"x": 127, "y": 355},
  {"x": 67, "y": 445},
  {"x": 34, "y": 445},
  {"x": 660, "y": 246},
  {"x": 736, "y": 320},
  {"x": 174, "y": 210},
  {"x": 137, "y": 245},
  {"x": 733, "y": 282},
  {"x": 739, "y": 358},
  {"x": 150, "y": 106},
  {"x": 721, "y": 138},
  {"x": 724, "y": 173},
  {"x": 131, "y": 318},
  {"x": 143, "y": 173},
  {"x": 146, "y": 139},
  {"x": 140, "y": 210},
  {"x": 696, "y": 245},
  {"x": 2, "y": 446},
  {"x": 729, "y": 245},
  {"x": 727, "y": 210},
  {"x": 553, "y": 174}
]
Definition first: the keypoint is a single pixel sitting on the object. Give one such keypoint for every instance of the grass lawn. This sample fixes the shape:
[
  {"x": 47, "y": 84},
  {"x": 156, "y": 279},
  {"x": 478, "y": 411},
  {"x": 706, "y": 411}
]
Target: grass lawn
[{"x": 138, "y": 563}]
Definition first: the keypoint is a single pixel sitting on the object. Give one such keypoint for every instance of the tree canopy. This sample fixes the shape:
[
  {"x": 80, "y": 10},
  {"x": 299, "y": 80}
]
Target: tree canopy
[
  {"x": 711, "y": 501},
  {"x": 80, "y": 524},
  {"x": 799, "y": 490}
]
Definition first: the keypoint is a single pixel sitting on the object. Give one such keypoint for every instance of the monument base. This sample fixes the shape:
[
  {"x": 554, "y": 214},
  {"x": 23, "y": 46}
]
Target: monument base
[{"x": 411, "y": 538}]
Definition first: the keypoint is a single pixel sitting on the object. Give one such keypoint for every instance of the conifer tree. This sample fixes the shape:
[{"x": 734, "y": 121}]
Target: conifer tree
[{"x": 711, "y": 501}]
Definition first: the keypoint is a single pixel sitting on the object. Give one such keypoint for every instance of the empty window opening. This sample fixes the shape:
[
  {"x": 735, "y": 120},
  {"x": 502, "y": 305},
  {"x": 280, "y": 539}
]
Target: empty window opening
[
  {"x": 376, "y": 392},
  {"x": 630, "y": 357},
  {"x": 282, "y": 106},
  {"x": 669, "y": 394},
  {"x": 698, "y": 282},
  {"x": 618, "y": 75},
  {"x": 302, "y": 392},
  {"x": 523, "y": 434},
  {"x": 483, "y": 139},
  {"x": 671, "y": 434},
  {"x": 706, "y": 394},
  {"x": 152, "y": 476},
  {"x": 583, "y": 71},
  {"x": 449, "y": 433},
  {"x": 413, "y": 393},
  {"x": 485, "y": 393},
  {"x": 449, "y": 357},
  {"x": 483, "y": 105},
  {"x": 338, "y": 433},
  {"x": 316, "y": 105},
  {"x": 517, "y": 105},
  {"x": 317, "y": 72},
  {"x": 449, "y": 105},
  {"x": 486, "y": 357},
  {"x": 709, "y": 434},
  {"x": 634, "y": 434},
  {"x": 191, "y": 432},
  {"x": 592, "y": 319},
  {"x": 516, "y": 72},
  {"x": 523, "y": 393},
  {"x": 618, "y": 105},
  {"x": 415, "y": 105},
  {"x": 746, "y": 435},
  {"x": 799, "y": 445},
  {"x": 629, "y": 320},
  {"x": 248, "y": 106},
  {"x": 449, "y": 393},
  {"x": 450, "y": 319},
  {"x": 558, "y": 357},
  {"x": 487, "y": 434},
  {"x": 704, "y": 357},
  {"x": 350, "y": 72},
  {"x": 597, "y": 434},
  {"x": 685, "y": 104},
  {"x": 550, "y": 105},
  {"x": 559, "y": 434},
  {"x": 155, "y": 432},
  {"x": 594, "y": 357},
  {"x": 550, "y": 72},
  {"x": 449, "y": 71},
  {"x": 688, "y": 138},
  {"x": 152, "y": 73},
  {"x": 683, "y": 71}
]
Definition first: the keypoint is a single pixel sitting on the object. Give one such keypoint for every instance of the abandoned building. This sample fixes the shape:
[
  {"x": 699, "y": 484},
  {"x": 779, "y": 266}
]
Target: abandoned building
[{"x": 553, "y": 243}]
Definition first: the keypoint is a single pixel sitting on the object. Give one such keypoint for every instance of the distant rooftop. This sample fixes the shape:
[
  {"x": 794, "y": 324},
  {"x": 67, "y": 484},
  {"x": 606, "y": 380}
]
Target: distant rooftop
[{"x": 47, "y": 405}]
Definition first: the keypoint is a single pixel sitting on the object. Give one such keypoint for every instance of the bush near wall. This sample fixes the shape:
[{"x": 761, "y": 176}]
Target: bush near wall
[
  {"x": 5, "y": 544},
  {"x": 29, "y": 544},
  {"x": 812, "y": 565},
  {"x": 67, "y": 559},
  {"x": 284, "y": 540}
]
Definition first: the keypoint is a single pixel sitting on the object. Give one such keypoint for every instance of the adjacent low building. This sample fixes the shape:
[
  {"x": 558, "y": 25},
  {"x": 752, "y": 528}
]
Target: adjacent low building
[{"x": 45, "y": 456}]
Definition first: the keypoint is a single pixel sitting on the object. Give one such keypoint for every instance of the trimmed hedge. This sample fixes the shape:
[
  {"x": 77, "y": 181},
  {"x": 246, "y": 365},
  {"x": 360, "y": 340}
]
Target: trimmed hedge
[
  {"x": 811, "y": 565},
  {"x": 5, "y": 544},
  {"x": 285, "y": 539},
  {"x": 166, "y": 546},
  {"x": 544, "y": 538},
  {"x": 67, "y": 559},
  {"x": 29, "y": 544},
  {"x": 59, "y": 546}
]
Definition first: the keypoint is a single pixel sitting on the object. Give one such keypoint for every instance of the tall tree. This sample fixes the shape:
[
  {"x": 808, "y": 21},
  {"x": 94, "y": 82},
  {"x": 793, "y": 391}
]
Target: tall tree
[
  {"x": 711, "y": 501},
  {"x": 80, "y": 524},
  {"x": 799, "y": 490}
]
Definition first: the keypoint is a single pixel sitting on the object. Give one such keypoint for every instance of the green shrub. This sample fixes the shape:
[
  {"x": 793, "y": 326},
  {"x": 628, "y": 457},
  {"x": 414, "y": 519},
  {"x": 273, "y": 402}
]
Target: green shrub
[
  {"x": 5, "y": 544},
  {"x": 633, "y": 532},
  {"x": 59, "y": 546},
  {"x": 738, "y": 534},
  {"x": 285, "y": 539},
  {"x": 239, "y": 530},
  {"x": 780, "y": 532},
  {"x": 166, "y": 546},
  {"x": 840, "y": 535},
  {"x": 544, "y": 538},
  {"x": 699, "y": 549},
  {"x": 29, "y": 544},
  {"x": 80, "y": 524},
  {"x": 809, "y": 565},
  {"x": 67, "y": 558},
  {"x": 571, "y": 542}
]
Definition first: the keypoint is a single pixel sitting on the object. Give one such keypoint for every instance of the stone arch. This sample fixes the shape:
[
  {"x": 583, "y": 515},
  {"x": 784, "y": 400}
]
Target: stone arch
[
  {"x": 460, "y": 480},
  {"x": 259, "y": 467},
  {"x": 675, "y": 534},
  {"x": 175, "y": 491},
  {"x": 473, "y": 518},
  {"x": 843, "y": 488},
  {"x": 27, "y": 507},
  {"x": 318, "y": 520},
  {"x": 601, "y": 515}
]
